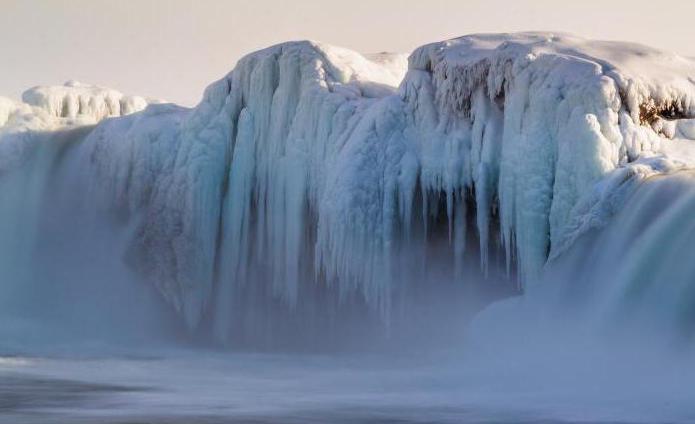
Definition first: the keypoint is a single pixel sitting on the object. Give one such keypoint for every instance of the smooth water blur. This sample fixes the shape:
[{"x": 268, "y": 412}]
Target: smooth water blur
[
  {"x": 628, "y": 285},
  {"x": 63, "y": 278},
  {"x": 204, "y": 387}
]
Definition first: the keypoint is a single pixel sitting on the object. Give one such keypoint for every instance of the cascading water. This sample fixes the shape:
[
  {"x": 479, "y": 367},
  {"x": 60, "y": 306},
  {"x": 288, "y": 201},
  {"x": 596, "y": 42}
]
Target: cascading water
[
  {"x": 63, "y": 277},
  {"x": 628, "y": 281},
  {"x": 650, "y": 281}
]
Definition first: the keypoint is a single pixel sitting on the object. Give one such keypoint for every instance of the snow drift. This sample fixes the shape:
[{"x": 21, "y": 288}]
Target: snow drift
[{"x": 312, "y": 177}]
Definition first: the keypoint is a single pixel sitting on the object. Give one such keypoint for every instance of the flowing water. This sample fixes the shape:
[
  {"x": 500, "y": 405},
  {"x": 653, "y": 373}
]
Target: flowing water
[{"x": 204, "y": 387}]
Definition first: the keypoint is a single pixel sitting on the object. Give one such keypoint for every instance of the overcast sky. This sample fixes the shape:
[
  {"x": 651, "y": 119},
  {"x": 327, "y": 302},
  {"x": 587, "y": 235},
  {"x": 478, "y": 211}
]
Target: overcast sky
[{"x": 172, "y": 49}]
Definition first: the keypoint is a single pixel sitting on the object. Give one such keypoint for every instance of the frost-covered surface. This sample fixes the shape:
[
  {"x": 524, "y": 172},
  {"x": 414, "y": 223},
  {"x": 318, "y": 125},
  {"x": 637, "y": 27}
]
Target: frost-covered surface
[
  {"x": 17, "y": 116},
  {"x": 7, "y": 108},
  {"x": 310, "y": 164},
  {"x": 56, "y": 109},
  {"x": 394, "y": 63},
  {"x": 46, "y": 108},
  {"x": 77, "y": 100},
  {"x": 565, "y": 113}
]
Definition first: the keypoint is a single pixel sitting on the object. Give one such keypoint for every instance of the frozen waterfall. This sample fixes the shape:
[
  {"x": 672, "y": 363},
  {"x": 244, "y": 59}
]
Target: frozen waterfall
[{"x": 314, "y": 186}]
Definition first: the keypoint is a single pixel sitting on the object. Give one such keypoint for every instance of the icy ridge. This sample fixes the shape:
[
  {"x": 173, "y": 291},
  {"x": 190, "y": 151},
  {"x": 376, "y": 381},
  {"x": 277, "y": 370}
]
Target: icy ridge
[
  {"x": 307, "y": 164},
  {"x": 51, "y": 109},
  {"x": 88, "y": 102},
  {"x": 572, "y": 111}
]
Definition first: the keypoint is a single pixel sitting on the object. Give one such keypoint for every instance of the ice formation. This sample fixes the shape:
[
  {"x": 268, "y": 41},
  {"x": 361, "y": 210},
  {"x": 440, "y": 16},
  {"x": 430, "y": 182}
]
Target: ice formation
[
  {"x": 313, "y": 166},
  {"x": 74, "y": 100},
  {"x": 73, "y": 103}
]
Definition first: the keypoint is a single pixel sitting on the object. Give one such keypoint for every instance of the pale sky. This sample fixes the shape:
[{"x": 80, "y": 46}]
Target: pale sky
[{"x": 172, "y": 49}]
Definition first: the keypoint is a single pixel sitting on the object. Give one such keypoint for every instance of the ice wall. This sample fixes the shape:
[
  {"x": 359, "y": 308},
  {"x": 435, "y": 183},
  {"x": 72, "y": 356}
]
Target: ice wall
[{"x": 311, "y": 167}]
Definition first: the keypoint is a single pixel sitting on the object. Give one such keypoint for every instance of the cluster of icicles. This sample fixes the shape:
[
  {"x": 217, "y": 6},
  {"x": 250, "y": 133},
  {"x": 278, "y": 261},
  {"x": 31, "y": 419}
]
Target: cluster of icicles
[{"x": 310, "y": 165}]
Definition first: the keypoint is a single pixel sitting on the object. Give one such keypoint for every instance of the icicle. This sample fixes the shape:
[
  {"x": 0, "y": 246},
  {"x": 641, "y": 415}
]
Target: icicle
[{"x": 304, "y": 164}]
